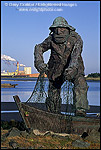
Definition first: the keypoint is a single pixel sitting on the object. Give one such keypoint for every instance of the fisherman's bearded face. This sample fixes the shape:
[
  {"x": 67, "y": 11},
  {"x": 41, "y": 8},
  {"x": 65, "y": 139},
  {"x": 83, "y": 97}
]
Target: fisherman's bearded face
[{"x": 60, "y": 35}]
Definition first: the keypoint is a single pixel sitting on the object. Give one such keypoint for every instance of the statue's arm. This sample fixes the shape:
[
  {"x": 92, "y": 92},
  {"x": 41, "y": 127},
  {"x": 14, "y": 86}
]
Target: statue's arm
[
  {"x": 76, "y": 53},
  {"x": 38, "y": 55}
]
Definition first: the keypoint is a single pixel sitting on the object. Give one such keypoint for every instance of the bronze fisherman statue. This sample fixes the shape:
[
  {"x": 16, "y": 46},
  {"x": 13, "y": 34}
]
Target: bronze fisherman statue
[{"x": 65, "y": 63}]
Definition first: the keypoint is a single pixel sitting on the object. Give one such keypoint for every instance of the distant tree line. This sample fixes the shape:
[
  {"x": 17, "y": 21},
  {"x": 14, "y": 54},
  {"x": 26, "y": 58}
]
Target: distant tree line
[{"x": 94, "y": 75}]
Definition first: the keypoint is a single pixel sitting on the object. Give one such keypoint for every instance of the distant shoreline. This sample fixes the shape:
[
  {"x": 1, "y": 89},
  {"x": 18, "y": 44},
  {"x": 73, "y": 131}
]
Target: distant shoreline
[
  {"x": 92, "y": 79},
  {"x": 35, "y": 78}
]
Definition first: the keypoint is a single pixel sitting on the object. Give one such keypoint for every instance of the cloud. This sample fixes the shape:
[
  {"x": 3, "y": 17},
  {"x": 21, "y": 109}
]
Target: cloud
[
  {"x": 7, "y": 60},
  {"x": 5, "y": 57}
]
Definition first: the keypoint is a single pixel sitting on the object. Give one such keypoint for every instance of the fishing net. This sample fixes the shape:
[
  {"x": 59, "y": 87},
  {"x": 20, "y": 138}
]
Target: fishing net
[
  {"x": 40, "y": 93},
  {"x": 67, "y": 96}
]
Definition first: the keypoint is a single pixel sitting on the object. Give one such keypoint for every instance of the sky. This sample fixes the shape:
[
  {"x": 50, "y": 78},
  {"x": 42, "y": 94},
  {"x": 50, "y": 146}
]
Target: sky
[{"x": 26, "y": 23}]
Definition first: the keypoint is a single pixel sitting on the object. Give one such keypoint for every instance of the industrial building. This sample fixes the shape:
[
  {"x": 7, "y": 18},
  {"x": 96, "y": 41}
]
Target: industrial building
[
  {"x": 27, "y": 70},
  {"x": 25, "y": 73}
]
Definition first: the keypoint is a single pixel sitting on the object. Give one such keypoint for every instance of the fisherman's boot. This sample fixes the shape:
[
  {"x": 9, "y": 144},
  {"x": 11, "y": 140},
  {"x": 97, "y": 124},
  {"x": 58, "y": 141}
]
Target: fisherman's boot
[{"x": 80, "y": 112}]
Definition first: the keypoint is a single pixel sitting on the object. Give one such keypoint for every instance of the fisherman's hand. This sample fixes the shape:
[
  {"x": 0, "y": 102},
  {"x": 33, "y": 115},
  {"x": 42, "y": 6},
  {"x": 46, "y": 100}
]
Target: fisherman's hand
[
  {"x": 69, "y": 73},
  {"x": 43, "y": 68}
]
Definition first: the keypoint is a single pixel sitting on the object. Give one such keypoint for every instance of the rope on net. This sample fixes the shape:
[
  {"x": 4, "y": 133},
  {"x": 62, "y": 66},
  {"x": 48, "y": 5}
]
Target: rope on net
[
  {"x": 39, "y": 93},
  {"x": 67, "y": 96}
]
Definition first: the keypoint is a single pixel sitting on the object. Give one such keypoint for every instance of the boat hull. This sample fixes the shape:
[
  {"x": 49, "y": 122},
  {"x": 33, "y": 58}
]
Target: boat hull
[{"x": 45, "y": 121}]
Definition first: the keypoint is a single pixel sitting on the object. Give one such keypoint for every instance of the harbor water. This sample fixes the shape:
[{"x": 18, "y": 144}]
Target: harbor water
[{"x": 25, "y": 88}]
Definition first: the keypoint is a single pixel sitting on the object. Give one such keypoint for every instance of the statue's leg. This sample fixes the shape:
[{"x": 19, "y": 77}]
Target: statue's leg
[
  {"x": 80, "y": 95},
  {"x": 53, "y": 101}
]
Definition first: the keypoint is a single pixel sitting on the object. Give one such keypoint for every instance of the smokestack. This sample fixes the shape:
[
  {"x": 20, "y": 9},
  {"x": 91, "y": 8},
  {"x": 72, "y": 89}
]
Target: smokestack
[{"x": 17, "y": 67}]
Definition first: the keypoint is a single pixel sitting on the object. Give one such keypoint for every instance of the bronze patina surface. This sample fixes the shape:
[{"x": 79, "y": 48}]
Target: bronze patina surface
[{"x": 65, "y": 63}]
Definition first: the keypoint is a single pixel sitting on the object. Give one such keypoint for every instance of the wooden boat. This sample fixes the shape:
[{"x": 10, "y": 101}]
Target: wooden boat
[
  {"x": 8, "y": 85},
  {"x": 35, "y": 118}
]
